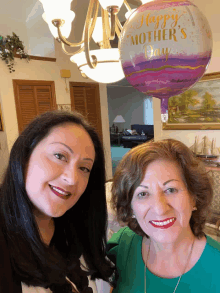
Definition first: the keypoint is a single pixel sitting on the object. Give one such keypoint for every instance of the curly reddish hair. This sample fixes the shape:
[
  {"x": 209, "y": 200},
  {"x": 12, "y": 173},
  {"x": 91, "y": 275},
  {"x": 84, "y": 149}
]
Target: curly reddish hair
[{"x": 131, "y": 170}]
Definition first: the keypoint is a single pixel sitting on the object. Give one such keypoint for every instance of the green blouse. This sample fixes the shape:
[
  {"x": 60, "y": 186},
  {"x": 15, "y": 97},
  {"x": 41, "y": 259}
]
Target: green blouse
[{"x": 124, "y": 248}]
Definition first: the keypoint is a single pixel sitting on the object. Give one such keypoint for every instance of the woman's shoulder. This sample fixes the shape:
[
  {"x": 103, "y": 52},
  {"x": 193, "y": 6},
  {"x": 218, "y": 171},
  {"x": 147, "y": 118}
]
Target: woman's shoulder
[
  {"x": 124, "y": 234},
  {"x": 120, "y": 242}
]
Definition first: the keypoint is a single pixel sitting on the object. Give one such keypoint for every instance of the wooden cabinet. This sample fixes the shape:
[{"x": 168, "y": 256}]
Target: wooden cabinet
[{"x": 33, "y": 98}]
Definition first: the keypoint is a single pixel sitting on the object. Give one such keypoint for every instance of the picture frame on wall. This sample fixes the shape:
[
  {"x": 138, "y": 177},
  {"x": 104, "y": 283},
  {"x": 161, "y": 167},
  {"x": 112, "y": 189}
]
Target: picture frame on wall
[
  {"x": 1, "y": 120},
  {"x": 64, "y": 107},
  {"x": 196, "y": 108}
]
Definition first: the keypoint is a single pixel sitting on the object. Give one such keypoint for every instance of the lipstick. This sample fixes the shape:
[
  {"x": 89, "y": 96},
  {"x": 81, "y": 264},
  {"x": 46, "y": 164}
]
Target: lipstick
[
  {"x": 165, "y": 224},
  {"x": 60, "y": 192}
]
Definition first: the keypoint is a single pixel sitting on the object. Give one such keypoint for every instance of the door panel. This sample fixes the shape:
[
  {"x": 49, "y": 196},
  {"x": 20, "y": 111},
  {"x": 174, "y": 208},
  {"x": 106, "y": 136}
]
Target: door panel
[
  {"x": 85, "y": 99},
  {"x": 33, "y": 98}
]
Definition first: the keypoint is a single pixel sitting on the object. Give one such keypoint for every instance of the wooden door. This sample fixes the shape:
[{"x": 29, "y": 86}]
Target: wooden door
[
  {"x": 33, "y": 98},
  {"x": 85, "y": 98}
]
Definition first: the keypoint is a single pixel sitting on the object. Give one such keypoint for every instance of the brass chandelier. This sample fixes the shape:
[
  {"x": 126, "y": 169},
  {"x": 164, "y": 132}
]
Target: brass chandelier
[{"x": 102, "y": 65}]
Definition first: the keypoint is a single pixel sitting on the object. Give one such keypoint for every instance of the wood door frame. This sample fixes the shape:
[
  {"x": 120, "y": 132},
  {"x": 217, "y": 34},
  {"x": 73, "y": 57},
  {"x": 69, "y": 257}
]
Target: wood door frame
[
  {"x": 17, "y": 82},
  {"x": 89, "y": 84}
]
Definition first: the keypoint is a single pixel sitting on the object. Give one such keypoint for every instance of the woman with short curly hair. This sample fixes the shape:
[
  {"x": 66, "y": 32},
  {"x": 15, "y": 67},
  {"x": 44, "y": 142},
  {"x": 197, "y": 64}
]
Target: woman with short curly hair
[{"x": 162, "y": 192}]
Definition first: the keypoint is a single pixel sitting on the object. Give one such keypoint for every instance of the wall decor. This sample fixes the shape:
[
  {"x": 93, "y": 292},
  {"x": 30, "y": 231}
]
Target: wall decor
[
  {"x": 198, "y": 107},
  {"x": 11, "y": 46},
  {"x": 1, "y": 120},
  {"x": 64, "y": 107}
]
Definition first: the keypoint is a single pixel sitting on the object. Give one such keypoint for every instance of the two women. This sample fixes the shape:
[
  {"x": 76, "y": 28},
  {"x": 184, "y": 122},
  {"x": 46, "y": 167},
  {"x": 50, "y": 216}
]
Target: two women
[
  {"x": 48, "y": 208},
  {"x": 161, "y": 191},
  {"x": 49, "y": 218}
]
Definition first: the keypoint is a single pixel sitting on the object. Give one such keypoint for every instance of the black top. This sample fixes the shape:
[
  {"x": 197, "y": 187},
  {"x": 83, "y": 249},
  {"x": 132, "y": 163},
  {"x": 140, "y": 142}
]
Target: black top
[{"x": 8, "y": 281}]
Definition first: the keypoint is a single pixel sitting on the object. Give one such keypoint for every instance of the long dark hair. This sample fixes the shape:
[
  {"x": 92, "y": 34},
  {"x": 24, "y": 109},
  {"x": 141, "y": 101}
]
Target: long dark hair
[{"x": 80, "y": 231}]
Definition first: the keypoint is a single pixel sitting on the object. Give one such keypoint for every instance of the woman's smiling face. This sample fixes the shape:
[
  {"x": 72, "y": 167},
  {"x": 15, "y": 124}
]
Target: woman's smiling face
[
  {"x": 58, "y": 170},
  {"x": 162, "y": 204}
]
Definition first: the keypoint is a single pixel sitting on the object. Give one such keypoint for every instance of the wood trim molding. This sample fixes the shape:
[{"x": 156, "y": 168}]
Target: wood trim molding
[
  {"x": 192, "y": 126},
  {"x": 1, "y": 122},
  {"x": 83, "y": 84},
  {"x": 38, "y": 58},
  {"x": 210, "y": 76},
  {"x": 17, "y": 104},
  {"x": 34, "y": 82}
]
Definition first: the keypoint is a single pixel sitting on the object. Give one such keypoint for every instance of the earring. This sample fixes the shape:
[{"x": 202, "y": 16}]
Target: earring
[
  {"x": 133, "y": 216},
  {"x": 194, "y": 208}
]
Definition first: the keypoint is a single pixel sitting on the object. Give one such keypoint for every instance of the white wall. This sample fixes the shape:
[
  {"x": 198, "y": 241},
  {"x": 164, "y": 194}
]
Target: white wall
[
  {"x": 40, "y": 41},
  {"x": 25, "y": 19},
  {"x": 9, "y": 25},
  {"x": 3, "y": 151},
  {"x": 128, "y": 102},
  {"x": 105, "y": 129},
  {"x": 211, "y": 10},
  {"x": 125, "y": 101},
  {"x": 148, "y": 111}
]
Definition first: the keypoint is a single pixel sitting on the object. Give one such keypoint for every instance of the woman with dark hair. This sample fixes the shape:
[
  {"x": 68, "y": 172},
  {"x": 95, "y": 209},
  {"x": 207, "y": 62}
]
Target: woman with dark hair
[
  {"x": 162, "y": 192},
  {"x": 53, "y": 208}
]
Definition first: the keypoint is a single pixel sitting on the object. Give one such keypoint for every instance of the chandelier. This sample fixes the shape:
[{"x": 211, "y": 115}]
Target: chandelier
[{"x": 102, "y": 65}]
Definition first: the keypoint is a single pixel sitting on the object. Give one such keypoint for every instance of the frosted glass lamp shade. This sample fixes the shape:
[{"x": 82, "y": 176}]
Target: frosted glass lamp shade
[
  {"x": 107, "y": 3},
  {"x": 108, "y": 69},
  {"x": 118, "y": 119},
  {"x": 98, "y": 33},
  {"x": 56, "y": 9},
  {"x": 65, "y": 28}
]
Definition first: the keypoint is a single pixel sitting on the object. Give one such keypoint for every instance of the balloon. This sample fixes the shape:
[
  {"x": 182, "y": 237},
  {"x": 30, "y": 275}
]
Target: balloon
[{"x": 165, "y": 47}]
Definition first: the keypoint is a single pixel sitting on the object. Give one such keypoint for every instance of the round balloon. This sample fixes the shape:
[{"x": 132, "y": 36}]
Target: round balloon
[{"x": 165, "y": 47}]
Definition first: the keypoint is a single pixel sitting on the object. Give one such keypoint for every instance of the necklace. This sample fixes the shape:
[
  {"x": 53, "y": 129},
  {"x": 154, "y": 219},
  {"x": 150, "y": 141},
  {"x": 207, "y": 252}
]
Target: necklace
[{"x": 145, "y": 281}]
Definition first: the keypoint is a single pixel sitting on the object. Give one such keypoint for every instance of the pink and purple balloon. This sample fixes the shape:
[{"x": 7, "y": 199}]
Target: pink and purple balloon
[{"x": 165, "y": 48}]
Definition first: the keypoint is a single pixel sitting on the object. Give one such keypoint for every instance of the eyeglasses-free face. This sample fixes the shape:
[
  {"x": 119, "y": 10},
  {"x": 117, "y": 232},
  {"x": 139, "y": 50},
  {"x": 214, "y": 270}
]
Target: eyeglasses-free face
[
  {"x": 58, "y": 170},
  {"x": 162, "y": 204}
]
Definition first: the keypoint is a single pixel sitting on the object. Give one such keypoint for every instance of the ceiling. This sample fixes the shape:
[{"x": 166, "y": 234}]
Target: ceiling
[
  {"x": 31, "y": 12},
  {"x": 31, "y": 8},
  {"x": 81, "y": 6}
]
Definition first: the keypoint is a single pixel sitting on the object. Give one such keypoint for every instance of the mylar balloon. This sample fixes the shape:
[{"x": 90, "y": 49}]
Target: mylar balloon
[{"x": 165, "y": 47}]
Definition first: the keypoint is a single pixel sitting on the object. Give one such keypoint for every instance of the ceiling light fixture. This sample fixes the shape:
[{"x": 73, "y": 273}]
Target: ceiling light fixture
[
  {"x": 102, "y": 65},
  {"x": 145, "y": 1}
]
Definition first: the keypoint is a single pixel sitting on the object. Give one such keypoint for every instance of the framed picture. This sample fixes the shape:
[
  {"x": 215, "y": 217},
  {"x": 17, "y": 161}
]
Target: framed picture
[
  {"x": 1, "y": 120},
  {"x": 198, "y": 107},
  {"x": 64, "y": 107}
]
